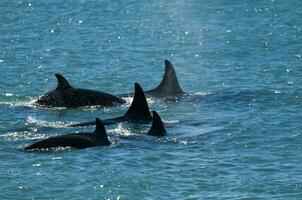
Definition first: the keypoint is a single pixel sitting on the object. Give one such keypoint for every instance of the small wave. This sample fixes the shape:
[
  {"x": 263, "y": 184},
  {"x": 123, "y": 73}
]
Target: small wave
[
  {"x": 53, "y": 149},
  {"x": 277, "y": 92},
  {"x": 15, "y": 100},
  {"x": 86, "y": 108},
  {"x": 57, "y": 158},
  {"x": 20, "y": 136},
  {"x": 121, "y": 131},
  {"x": 130, "y": 99},
  {"x": 33, "y": 104},
  {"x": 177, "y": 141},
  {"x": 8, "y": 94},
  {"x": 59, "y": 124},
  {"x": 16, "y": 103},
  {"x": 201, "y": 93},
  {"x": 171, "y": 121}
]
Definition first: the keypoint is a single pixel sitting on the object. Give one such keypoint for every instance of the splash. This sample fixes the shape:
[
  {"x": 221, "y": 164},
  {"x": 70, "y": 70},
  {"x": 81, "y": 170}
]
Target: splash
[
  {"x": 130, "y": 99},
  {"x": 17, "y": 103},
  {"x": 53, "y": 149},
  {"x": 201, "y": 93},
  {"x": 121, "y": 131},
  {"x": 171, "y": 121},
  {"x": 58, "y": 124},
  {"x": 26, "y": 135}
]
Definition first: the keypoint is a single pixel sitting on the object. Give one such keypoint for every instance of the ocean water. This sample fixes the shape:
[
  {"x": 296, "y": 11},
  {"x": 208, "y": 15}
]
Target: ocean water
[{"x": 236, "y": 135}]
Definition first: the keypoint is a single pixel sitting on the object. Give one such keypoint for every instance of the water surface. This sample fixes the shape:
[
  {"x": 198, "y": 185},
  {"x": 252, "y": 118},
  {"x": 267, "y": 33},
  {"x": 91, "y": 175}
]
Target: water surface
[{"x": 236, "y": 136}]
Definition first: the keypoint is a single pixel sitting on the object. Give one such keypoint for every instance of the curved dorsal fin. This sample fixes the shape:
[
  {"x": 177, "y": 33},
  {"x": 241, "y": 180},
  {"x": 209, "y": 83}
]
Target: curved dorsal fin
[
  {"x": 100, "y": 131},
  {"x": 157, "y": 127},
  {"x": 62, "y": 83},
  {"x": 169, "y": 85},
  {"x": 139, "y": 109}
]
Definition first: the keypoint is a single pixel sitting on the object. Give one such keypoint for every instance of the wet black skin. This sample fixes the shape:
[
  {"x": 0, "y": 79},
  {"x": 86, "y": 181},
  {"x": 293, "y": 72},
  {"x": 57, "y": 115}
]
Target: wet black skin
[
  {"x": 75, "y": 140},
  {"x": 67, "y": 96},
  {"x": 138, "y": 111},
  {"x": 97, "y": 138}
]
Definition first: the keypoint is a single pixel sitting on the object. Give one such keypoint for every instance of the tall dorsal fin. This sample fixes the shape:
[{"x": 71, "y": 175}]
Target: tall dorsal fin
[
  {"x": 169, "y": 85},
  {"x": 100, "y": 131},
  {"x": 157, "y": 127},
  {"x": 139, "y": 109},
  {"x": 62, "y": 83}
]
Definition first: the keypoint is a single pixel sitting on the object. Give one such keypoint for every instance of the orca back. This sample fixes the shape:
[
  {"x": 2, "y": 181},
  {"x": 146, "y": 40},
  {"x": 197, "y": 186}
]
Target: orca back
[
  {"x": 67, "y": 96},
  {"x": 76, "y": 140}
]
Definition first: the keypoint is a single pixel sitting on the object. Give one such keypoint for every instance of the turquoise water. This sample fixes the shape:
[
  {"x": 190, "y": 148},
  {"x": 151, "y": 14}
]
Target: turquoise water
[{"x": 236, "y": 136}]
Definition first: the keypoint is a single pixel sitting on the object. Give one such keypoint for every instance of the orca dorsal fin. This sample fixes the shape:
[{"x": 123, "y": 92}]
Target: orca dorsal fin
[
  {"x": 62, "y": 83},
  {"x": 157, "y": 127},
  {"x": 139, "y": 109},
  {"x": 100, "y": 131},
  {"x": 169, "y": 86}
]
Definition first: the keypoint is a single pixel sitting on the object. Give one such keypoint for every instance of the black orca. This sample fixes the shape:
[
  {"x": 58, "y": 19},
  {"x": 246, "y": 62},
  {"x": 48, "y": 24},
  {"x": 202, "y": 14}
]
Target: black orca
[
  {"x": 137, "y": 112},
  {"x": 157, "y": 127},
  {"x": 67, "y": 96},
  {"x": 168, "y": 87},
  {"x": 76, "y": 140}
]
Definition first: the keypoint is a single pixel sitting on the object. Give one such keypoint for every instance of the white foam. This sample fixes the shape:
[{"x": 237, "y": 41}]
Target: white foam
[
  {"x": 121, "y": 131},
  {"x": 20, "y": 136},
  {"x": 57, "y": 158},
  {"x": 130, "y": 99},
  {"x": 171, "y": 121},
  {"x": 8, "y": 94},
  {"x": 201, "y": 93},
  {"x": 58, "y": 124}
]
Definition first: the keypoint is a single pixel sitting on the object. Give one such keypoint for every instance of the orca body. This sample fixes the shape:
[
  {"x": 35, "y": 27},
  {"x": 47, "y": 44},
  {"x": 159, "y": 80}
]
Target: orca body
[
  {"x": 138, "y": 111},
  {"x": 67, "y": 96},
  {"x": 168, "y": 87},
  {"x": 77, "y": 140}
]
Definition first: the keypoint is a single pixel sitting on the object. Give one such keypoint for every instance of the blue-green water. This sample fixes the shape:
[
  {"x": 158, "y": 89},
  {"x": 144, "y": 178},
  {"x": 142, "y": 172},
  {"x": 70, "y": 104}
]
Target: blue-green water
[{"x": 237, "y": 135}]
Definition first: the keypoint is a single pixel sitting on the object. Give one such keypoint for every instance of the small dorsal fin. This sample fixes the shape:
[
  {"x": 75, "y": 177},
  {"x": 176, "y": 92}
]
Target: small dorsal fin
[
  {"x": 139, "y": 109},
  {"x": 157, "y": 127},
  {"x": 100, "y": 131},
  {"x": 62, "y": 83},
  {"x": 169, "y": 86}
]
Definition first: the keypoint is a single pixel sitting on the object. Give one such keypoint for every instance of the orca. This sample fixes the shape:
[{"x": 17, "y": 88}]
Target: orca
[
  {"x": 138, "y": 111},
  {"x": 75, "y": 140},
  {"x": 67, "y": 96},
  {"x": 157, "y": 127},
  {"x": 168, "y": 87}
]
